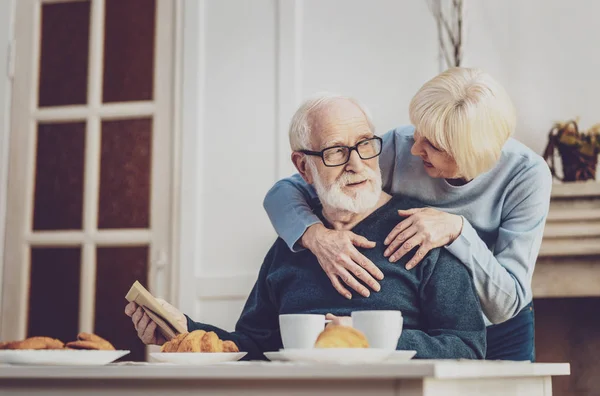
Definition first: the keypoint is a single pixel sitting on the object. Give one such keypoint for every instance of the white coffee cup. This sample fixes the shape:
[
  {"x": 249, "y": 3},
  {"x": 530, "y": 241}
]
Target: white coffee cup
[
  {"x": 300, "y": 331},
  {"x": 382, "y": 328}
]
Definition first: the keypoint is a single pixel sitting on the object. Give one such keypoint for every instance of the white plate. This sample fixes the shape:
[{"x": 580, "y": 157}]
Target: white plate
[
  {"x": 60, "y": 357},
  {"x": 395, "y": 356},
  {"x": 203, "y": 358},
  {"x": 336, "y": 355}
]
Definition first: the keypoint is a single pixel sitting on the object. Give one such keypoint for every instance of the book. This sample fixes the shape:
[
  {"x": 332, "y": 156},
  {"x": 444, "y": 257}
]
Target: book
[{"x": 165, "y": 322}]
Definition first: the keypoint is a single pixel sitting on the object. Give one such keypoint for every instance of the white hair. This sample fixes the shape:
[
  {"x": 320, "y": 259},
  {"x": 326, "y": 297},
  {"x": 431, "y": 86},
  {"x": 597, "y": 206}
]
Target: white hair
[
  {"x": 467, "y": 114},
  {"x": 301, "y": 124},
  {"x": 333, "y": 195}
]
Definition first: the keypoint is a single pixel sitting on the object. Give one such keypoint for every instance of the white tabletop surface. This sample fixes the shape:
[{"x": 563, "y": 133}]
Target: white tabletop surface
[{"x": 441, "y": 369}]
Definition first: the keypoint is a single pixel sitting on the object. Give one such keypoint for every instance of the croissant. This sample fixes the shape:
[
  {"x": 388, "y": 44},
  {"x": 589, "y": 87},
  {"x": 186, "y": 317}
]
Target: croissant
[
  {"x": 229, "y": 346},
  {"x": 210, "y": 342},
  {"x": 191, "y": 342},
  {"x": 341, "y": 337},
  {"x": 171, "y": 346},
  {"x": 91, "y": 342},
  {"x": 198, "y": 341},
  {"x": 35, "y": 343}
]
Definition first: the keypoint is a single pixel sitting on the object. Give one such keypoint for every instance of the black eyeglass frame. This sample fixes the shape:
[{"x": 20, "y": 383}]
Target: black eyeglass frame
[{"x": 350, "y": 149}]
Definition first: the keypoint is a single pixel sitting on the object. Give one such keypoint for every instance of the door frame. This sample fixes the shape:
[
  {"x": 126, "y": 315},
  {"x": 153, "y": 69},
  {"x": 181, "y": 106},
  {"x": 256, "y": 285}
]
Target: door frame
[
  {"x": 7, "y": 18},
  {"x": 189, "y": 98},
  {"x": 162, "y": 267}
]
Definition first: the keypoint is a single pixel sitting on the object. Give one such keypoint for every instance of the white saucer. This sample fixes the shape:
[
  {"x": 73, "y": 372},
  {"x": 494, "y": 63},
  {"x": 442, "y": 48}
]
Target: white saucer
[
  {"x": 393, "y": 356},
  {"x": 334, "y": 355},
  {"x": 197, "y": 358}
]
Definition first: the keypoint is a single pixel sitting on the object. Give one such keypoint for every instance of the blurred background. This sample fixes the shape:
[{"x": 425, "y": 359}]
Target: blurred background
[{"x": 139, "y": 137}]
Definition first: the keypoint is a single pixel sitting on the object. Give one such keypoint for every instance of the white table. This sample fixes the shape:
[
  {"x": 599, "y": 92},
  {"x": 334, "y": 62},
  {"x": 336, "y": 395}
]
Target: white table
[{"x": 412, "y": 378}]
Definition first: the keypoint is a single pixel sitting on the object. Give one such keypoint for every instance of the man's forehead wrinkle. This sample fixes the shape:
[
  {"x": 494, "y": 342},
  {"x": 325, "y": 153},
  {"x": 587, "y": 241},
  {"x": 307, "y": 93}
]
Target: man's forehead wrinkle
[
  {"x": 331, "y": 123},
  {"x": 331, "y": 133}
]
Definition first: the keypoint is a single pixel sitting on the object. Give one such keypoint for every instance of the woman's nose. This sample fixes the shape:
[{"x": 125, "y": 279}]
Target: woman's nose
[{"x": 417, "y": 147}]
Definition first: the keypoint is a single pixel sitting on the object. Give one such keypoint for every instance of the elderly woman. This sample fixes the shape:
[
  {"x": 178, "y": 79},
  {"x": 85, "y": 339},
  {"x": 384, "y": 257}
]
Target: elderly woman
[{"x": 487, "y": 199}]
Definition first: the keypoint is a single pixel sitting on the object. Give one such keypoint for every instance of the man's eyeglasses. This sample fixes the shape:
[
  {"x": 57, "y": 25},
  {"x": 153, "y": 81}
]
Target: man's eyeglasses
[{"x": 340, "y": 155}]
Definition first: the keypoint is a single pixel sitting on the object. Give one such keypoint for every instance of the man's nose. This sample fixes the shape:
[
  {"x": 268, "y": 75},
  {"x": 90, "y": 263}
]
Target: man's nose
[{"x": 355, "y": 163}]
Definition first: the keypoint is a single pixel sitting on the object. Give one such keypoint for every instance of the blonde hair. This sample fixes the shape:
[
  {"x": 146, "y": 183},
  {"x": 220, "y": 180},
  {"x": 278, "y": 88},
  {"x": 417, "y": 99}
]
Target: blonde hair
[
  {"x": 467, "y": 114},
  {"x": 301, "y": 124}
]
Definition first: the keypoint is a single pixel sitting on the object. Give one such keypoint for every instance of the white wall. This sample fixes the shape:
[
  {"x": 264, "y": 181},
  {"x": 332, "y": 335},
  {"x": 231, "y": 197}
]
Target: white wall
[
  {"x": 547, "y": 55},
  {"x": 6, "y": 27},
  {"x": 252, "y": 62},
  {"x": 255, "y": 62}
]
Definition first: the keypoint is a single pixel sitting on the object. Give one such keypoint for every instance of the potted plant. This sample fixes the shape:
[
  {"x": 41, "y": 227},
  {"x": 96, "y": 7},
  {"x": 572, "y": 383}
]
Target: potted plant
[{"x": 578, "y": 151}]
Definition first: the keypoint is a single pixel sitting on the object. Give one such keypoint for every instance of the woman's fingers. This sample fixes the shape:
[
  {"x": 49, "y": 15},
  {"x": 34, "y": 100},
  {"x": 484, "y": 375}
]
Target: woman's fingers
[
  {"x": 337, "y": 285},
  {"x": 422, "y": 252},
  {"x": 337, "y": 254},
  {"x": 404, "y": 224},
  {"x": 360, "y": 259},
  {"x": 351, "y": 281},
  {"x": 406, "y": 247},
  {"x": 365, "y": 270},
  {"x": 358, "y": 266},
  {"x": 361, "y": 241},
  {"x": 399, "y": 240},
  {"x": 409, "y": 212}
]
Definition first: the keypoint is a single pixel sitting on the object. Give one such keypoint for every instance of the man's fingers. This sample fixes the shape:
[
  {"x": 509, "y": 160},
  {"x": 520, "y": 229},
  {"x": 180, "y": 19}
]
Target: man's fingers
[
  {"x": 421, "y": 253},
  {"x": 404, "y": 224},
  {"x": 137, "y": 316},
  {"x": 351, "y": 281},
  {"x": 334, "y": 319},
  {"x": 143, "y": 323},
  {"x": 160, "y": 339},
  {"x": 399, "y": 240},
  {"x": 130, "y": 308},
  {"x": 339, "y": 320},
  {"x": 148, "y": 336},
  {"x": 406, "y": 247},
  {"x": 361, "y": 241},
  {"x": 338, "y": 286}
]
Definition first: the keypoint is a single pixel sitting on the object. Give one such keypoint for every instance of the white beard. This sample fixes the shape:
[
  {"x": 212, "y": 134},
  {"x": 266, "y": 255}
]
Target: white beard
[{"x": 334, "y": 197}]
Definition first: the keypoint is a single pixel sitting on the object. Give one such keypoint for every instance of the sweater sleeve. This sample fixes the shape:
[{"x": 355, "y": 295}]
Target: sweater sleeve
[
  {"x": 257, "y": 329},
  {"x": 503, "y": 276},
  {"x": 453, "y": 324},
  {"x": 290, "y": 202},
  {"x": 287, "y": 205}
]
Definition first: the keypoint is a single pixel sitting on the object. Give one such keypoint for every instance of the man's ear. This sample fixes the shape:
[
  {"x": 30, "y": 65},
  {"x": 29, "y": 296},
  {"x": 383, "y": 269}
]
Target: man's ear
[{"x": 299, "y": 161}]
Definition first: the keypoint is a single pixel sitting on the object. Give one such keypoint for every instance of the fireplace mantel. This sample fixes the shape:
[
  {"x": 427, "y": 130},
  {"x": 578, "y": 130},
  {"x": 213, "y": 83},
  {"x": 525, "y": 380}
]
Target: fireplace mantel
[{"x": 569, "y": 260}]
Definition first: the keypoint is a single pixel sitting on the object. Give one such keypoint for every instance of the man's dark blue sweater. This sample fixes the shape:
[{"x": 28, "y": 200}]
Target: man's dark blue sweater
[{"x": 442, "y": 316}]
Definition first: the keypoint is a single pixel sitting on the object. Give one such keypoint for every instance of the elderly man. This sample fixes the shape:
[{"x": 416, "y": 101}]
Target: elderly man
[{"x": 336, "y": 151}]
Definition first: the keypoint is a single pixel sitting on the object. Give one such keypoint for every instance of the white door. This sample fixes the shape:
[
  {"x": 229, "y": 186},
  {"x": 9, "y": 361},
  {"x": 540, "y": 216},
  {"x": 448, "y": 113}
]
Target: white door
[{"x": 90, "y": 178}]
